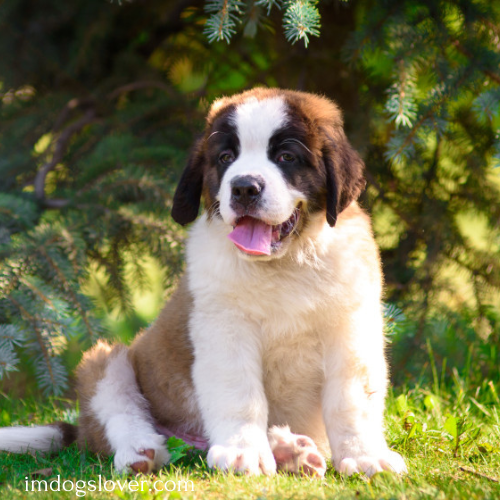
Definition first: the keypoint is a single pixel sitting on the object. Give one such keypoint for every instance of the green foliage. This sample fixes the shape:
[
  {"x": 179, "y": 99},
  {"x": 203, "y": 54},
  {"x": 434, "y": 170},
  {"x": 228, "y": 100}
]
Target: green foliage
[
  {"x": 401, "y": 104},
  {"x": 301, "y": 18},
  {"x": 86, "y": 185},
  {"x": 177, "y": 448},
  {"x": 10, "y": 336},
  {"x": 99, "y": 105},
  {"x": 115, "y": 203},
  {"x": 450, "y": 440},
  {"x": 395, "y": 320},
  {"x": 452, "y": 346},
  {"x": 433, "y": 96},
  {"x": 221, "y": 25}
]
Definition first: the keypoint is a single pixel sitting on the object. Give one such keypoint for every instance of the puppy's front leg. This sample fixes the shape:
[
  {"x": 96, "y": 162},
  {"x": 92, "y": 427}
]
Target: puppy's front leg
[
  {"x": 354, "y": 394},
  {"x": 227, "y": 375}
]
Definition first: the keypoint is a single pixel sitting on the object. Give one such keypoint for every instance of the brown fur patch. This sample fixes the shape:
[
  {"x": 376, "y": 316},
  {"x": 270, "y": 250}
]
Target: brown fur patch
[
  {"x": 162, "y": 357},
  {"x": 69, "y": 432}
]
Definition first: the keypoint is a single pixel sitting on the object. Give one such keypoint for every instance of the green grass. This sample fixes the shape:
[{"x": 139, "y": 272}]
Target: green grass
[{"x": 448, "y": 435}]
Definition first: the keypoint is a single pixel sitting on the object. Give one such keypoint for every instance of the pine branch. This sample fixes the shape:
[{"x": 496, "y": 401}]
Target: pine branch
[
  {"x": 401, "y": 103},
  {"x": 487, "y": 105},
  {"x": 459, "y": 46},
  {"x": 221, "y": 25},
  {"x": 489, "y": 277},
  {"x": 442, "y": 98},
  {"x": 37, "y": 291},
  {"x": 56, "y": 381},
  {"x": 59, "y": 151},
  {"x": 40, "y": 341},
  {"x": 269, "y": 4},
  {"x": 301, "y": 20},
  {"x": 68, "y": 288},
  {"x": 11, "y": 335},
  {"x": 8, "y": 359}
]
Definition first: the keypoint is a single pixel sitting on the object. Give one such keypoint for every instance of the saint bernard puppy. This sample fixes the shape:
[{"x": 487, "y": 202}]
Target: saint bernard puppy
[{"x": 270, "y": 354}]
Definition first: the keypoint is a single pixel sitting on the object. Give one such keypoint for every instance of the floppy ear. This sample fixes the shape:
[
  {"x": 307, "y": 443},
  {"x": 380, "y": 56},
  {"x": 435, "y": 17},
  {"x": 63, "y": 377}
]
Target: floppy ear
[
  {"x": 187, "y": 196},
  {"x": 344, "y": 176}
]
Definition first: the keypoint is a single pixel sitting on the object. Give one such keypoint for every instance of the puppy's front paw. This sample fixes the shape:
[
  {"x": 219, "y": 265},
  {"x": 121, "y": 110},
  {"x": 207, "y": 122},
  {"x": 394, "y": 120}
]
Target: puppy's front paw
[
  {"x": 370, "y": 465},
  {"x": 145, "y": 456},
  {"x": 247, "y": 460},
  {"x": 295, "y": 453}
]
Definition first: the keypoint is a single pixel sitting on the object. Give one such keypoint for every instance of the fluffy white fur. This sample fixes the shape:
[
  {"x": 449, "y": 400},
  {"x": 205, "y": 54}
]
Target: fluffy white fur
[
  {"x": 318, "y": 312},
  {"x": 250, "y": 316},
  {"x": 123, "y": 412},
  {"x": 255, "y": 122},
  {"x": 25, "y": 439}
]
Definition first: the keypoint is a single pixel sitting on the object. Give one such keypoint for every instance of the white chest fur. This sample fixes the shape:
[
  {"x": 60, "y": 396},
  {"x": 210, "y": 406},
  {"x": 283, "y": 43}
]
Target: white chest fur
[{"x": 285, "y": 296}]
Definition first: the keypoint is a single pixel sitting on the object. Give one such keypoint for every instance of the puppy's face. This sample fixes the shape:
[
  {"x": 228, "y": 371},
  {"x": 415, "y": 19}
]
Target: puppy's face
[{"x": 268, "y": 161}]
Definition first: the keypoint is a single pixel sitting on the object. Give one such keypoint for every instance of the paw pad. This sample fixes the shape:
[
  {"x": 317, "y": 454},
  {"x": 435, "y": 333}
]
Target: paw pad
[
  {"x": 144, "y": 466},
  {"x": 298, "y": 455}
]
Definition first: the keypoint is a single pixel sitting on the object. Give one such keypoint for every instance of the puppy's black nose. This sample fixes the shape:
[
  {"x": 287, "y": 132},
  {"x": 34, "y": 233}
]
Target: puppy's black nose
[{"x": 246, "y": 189}]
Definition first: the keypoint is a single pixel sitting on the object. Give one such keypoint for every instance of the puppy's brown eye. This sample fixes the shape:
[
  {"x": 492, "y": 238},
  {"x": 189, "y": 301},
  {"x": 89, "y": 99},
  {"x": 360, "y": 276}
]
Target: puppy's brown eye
[
  {"x": 226, "y": 157},
  {"x": 286, "y": 158}
]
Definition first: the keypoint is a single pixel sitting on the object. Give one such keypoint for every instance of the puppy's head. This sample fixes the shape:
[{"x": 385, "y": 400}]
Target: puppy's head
[{"x": 269, "y": 160}]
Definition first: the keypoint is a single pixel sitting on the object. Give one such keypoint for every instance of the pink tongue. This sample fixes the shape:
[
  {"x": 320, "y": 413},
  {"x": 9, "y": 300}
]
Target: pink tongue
[{"x": 252, "y": 236}]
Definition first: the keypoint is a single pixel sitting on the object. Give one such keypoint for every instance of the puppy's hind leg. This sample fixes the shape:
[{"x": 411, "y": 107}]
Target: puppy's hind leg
[{"x": 114, "y": 415}]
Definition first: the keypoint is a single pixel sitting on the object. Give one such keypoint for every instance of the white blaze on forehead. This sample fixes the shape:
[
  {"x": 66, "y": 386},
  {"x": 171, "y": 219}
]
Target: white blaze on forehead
[{"x": 256, "y": 121}]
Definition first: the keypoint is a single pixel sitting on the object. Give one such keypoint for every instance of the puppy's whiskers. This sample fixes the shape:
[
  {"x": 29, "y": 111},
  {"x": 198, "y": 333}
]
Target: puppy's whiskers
[{"x": 213, "y": 210}]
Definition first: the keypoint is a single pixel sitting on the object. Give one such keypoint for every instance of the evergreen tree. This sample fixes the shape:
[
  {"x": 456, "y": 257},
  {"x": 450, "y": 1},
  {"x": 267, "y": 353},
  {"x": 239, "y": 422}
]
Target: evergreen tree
[{"x": 433, "y": 160}]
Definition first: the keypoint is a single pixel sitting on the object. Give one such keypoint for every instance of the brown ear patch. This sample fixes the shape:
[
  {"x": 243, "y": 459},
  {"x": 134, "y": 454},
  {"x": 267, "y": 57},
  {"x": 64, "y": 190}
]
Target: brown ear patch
[
  {"x": 342, "y": 167},
  {"x": 344, "y": 176}
]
